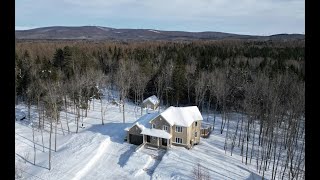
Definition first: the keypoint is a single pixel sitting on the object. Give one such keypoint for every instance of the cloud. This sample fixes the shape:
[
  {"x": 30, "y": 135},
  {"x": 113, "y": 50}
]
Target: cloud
[{"x": 277, "y": 16}]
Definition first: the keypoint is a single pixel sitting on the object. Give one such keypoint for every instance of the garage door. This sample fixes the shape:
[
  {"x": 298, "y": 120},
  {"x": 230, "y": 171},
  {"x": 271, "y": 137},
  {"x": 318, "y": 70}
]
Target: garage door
[{"x": 136, "y": 139}]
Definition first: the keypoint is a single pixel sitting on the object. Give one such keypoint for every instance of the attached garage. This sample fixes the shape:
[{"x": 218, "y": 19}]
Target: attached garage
[
  {"x": 135, "y": 139},
  {"x": 134, "y": 136}
]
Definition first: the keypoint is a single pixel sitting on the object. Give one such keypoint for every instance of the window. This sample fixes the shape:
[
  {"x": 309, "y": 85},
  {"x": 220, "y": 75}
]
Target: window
[
  {"x": 195, "y": 134},
  {"x": 196, "y": 123},
  {"x": 178, "y": 140},
  {"x": 153, "y": 126},
  {"x": 165, "y": 128},
  {"x": 178, "y": 129}
]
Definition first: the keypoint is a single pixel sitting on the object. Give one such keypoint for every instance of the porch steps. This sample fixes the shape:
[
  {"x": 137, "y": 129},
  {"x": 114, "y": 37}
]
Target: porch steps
[{"x": 150, "y": 147}]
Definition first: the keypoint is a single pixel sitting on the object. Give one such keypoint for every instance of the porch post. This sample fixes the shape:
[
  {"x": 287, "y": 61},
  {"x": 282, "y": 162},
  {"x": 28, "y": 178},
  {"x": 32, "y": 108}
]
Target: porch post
[
  {"x": 158, "y": 141},
  {"x": 167, "y": 143},
  {"x": 128, "y": 137},
  {"x": 142, "y": 138}
]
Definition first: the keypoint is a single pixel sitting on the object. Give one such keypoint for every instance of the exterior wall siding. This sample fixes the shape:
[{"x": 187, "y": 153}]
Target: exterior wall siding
[
  {"x": 197, "y": 128},
  {"x": 160, "y": 123},
  {"x": 151, "y": 105},
  {"x": 133, "y": 130},
  {"x": 182, "y": 135}
]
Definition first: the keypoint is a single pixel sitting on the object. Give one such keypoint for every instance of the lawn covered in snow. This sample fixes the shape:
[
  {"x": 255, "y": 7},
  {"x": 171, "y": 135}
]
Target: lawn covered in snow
[{"x": 100, "y": 152}]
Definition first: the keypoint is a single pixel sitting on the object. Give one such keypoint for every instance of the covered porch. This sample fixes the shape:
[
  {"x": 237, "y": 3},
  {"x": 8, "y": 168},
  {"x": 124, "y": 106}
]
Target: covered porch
[{"x": 156, "y": 138}]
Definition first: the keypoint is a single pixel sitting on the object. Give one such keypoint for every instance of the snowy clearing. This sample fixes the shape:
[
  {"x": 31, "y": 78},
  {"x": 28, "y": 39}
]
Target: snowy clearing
[{"x": 100, "y": 152}]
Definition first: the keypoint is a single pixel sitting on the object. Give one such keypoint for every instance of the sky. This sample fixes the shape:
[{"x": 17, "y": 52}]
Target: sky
[{"x": 251, "y": 17}]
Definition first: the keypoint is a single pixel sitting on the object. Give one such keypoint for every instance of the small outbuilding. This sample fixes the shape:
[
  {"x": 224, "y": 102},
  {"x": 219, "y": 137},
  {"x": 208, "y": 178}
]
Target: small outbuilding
[{"x": 151, "y": 102}]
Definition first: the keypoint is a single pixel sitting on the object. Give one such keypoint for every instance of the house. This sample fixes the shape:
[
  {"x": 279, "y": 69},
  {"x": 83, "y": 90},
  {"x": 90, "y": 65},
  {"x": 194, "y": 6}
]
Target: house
[
  {"x": 151, "y": 102},
  {"x": 178, "y": 126}
]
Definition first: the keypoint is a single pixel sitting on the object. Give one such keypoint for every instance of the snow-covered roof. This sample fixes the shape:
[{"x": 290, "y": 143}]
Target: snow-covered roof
[
  {"x": 156, "y": 132},
  {"x": 153, "y": 99},
  {"x": 143, "y": 121},
  {"x": 182, "y": 116}
]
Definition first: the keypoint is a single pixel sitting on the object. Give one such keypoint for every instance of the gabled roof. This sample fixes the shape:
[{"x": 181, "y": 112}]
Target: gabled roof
[
  {"x": 143, "y": 121},
  {"x": 153, "y": 99},
  {"x": 182, "y": 116}
]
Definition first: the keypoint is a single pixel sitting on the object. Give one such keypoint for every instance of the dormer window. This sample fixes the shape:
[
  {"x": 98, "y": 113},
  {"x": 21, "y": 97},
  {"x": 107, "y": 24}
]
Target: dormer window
[{"x": 196, "y": 123}]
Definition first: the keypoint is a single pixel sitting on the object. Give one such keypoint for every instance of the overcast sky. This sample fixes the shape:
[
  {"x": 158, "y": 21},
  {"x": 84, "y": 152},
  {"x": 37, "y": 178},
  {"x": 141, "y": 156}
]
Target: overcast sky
[{"x": 254, "y": 17}]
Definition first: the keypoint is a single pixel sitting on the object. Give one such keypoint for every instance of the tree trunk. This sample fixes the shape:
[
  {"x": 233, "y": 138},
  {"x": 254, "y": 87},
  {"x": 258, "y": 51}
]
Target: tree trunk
[
  {"x": 61, "y": 125},
  {"x": 248, "y": 135},
  {"x": 43, "y": 115},
  {"x": 188, "y": 93},
  {"x": 234, "y": 137},
  {"x": 39, "y": 115},
  {"x": 55, "y": 137},
  {"x": 101, "y": 112},
  {"x": 50, "y": 144},
  {"x": 66, "y": 106},
  {"x": 226, "y": 139},
  {"x": 167, "y": 97},
  {"x": 29, "y": 107},
  {"x": 208, "y": 108},
  {"x": 124, "y": 119},
  {"x": 214, "y": 115},
  {"x": 34, "y": 146},
  {"x": 274, "y": 155},
  {"x": 141, "y": 104},
  {"x": 42, "y": 139},
  {"x": 93, "y": 104},
  {"x": 77, "y": 119},
  {"x": 240, "y": 130},
  {"x": 86, "y": 115},
  {"x": 253, "y": 138}
]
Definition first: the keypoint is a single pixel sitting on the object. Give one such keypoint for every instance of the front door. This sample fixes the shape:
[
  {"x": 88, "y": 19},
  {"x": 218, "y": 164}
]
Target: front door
[
  {"x": 164, "y": 142},
  {"x": 148, "y": 139}
]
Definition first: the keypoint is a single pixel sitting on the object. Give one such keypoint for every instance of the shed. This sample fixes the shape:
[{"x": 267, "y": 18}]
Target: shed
[{"x": 151, "y": 102}]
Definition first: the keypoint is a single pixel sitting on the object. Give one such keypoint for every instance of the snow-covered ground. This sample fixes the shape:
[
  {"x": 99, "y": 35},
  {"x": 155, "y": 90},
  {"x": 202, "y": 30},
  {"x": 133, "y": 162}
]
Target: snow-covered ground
[{"x": 100, "y": 152}]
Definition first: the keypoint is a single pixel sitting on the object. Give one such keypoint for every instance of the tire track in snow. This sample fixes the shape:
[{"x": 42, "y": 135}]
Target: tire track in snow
[{"x": 103, "y": 146}]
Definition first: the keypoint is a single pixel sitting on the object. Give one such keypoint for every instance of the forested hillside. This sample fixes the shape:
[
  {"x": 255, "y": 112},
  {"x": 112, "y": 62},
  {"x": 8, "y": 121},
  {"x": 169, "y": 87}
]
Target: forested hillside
[{"x": 263, "y": 80}]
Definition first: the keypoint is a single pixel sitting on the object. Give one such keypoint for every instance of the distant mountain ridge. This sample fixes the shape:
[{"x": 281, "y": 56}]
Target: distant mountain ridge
[{"x": 106, "y": 33}]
